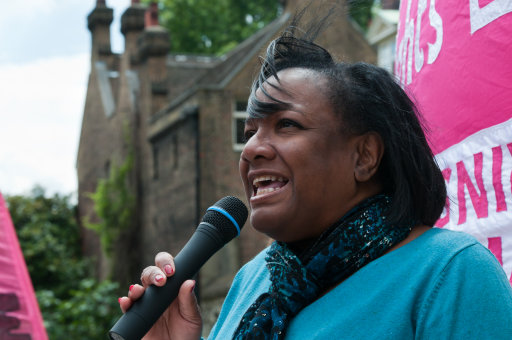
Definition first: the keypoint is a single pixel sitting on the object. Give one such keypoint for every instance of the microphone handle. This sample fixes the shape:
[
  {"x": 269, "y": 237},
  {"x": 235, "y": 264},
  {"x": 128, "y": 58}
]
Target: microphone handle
[{"x": 143, "y": 314}]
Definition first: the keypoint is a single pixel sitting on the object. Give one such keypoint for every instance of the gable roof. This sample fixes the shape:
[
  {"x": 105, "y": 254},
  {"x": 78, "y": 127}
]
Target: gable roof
[{"x": 220, "y": 71}]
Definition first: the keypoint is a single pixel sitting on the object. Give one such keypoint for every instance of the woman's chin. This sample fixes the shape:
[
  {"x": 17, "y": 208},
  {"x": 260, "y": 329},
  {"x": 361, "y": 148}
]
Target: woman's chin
[{"x": 267, "y": 224}]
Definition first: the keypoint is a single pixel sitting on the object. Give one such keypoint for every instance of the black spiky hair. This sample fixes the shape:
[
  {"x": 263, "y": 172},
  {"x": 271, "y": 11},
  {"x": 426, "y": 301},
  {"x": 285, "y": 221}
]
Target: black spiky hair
[{"x": 293, "y": 49}]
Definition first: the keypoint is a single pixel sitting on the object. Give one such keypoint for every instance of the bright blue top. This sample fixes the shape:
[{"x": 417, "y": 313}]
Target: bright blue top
[{"x": 442, "y": 285}]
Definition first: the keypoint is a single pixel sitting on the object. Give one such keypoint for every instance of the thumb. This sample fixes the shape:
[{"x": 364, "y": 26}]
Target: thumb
[{"x": 188, "y": 307}]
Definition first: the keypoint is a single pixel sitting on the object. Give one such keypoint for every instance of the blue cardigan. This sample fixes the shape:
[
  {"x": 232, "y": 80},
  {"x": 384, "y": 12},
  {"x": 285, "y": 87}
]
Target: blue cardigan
[{"x": 442, "y": 285}]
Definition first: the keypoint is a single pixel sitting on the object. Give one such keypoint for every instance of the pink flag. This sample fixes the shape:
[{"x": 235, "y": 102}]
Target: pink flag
[
  {"x": 20, "y": 318},
  {"x": 455, "y": 58}
]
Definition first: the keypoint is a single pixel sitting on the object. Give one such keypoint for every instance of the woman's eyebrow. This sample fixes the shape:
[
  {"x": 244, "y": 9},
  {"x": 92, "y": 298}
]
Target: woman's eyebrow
[{"x": 249, "y": 120}]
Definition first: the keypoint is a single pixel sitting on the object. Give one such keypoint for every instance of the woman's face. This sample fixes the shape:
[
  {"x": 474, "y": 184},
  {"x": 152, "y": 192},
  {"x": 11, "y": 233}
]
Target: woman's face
[{"x": 297, "y": 167}]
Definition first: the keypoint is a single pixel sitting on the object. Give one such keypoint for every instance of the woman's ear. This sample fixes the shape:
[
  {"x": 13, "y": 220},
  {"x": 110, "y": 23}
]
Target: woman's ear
[{"x": 370, "y": 149}]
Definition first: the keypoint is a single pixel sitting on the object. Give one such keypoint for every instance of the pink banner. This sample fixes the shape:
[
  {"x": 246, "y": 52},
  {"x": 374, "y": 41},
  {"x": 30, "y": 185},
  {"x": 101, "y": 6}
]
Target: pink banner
[
  {"x": 20, "y": 317},
  {"x": 455, "y": 58}
]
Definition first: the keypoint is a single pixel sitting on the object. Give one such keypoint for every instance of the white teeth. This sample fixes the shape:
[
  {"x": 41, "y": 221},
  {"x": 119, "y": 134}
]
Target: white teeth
[
  {"x": 261, "y": 191},
  {"x": 265, "y": 191},
  {"x": 256, "y": 181}
]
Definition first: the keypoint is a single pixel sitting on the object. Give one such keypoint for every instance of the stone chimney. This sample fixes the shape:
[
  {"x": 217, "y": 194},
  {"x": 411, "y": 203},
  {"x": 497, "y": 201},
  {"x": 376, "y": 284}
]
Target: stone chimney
[
  {"x": 98, "y": 22},
  {"x": 151, "y": 18},
  {"x": 153, "y": 47},
  {"x": 132, "y": 26}
]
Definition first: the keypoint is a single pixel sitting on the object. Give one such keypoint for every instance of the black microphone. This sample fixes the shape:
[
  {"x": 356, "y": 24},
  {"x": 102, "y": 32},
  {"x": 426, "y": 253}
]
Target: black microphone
[{"x": 221, "y": 223}]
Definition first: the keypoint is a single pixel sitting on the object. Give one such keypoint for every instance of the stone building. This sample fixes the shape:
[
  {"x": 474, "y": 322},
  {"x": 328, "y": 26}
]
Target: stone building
[{"x": 181, "y": 117}]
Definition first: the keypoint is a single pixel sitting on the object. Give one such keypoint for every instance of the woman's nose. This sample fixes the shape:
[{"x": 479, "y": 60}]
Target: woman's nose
[{"x": 259, "y": 146}]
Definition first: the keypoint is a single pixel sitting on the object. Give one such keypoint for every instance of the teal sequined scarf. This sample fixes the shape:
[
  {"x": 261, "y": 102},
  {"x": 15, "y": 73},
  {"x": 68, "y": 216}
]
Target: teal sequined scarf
[{"x": 361, "y": 236}]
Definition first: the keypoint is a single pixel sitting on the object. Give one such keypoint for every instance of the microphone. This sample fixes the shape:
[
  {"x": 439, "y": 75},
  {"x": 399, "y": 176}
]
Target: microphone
[{"x": 221, "y": 223}]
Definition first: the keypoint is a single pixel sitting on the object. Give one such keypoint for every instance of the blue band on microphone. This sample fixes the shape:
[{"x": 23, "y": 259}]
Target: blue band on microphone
[{"x": 225, "y": 213}]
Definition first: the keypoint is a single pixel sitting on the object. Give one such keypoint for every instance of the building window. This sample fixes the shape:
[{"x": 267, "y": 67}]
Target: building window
[
  {"x": 238, "y": 123},
  {"x": 107, "y": 169},
  {"x": 175, "y": 152},
  {"x": 155, "y": 162}
]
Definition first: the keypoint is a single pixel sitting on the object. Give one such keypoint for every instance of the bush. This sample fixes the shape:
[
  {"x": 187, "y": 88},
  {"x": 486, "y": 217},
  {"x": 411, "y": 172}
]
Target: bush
[
  {"x": 88, "y": 313},
  {"x": 50, "y": 239},
  {"x": 73, "y": 306}
]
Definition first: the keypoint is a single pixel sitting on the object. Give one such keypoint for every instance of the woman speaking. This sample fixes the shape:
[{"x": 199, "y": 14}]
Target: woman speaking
[{"x": 337, "y": 170}]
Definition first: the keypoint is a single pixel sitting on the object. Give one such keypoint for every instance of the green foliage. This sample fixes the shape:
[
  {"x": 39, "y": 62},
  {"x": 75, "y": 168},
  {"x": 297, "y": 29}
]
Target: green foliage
[
  {"x": 49, "y": 236},
  {"x": 216, "y": 27},
  {"x": 73, "y": 306},
  {"x": 213, "y": 27},
  {"x": 361, "y": 12},
  {"x": 88, "y": 313},
  {"x": 114, "y": 204}
]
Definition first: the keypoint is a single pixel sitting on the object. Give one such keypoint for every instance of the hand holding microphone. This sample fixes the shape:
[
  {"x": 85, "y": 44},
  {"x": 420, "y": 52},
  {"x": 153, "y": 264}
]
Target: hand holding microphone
[
  {"x": 182, "y": 320},
  {"x": 221, "y": 223}
]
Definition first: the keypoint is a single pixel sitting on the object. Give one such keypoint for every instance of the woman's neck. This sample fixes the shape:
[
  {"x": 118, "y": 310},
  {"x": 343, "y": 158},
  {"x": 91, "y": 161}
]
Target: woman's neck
[{"x": 298, "y": 247}]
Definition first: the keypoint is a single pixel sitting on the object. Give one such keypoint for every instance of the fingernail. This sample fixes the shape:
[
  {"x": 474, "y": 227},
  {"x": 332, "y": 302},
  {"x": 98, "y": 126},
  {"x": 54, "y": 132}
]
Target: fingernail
[
  {"x": 130, "y": 289},
  {"x": 192, "y": 288},
  {"x": 168, "y": 269},
  {"x": 159, "y": 278},
  {"x": 119, "y": 300}
]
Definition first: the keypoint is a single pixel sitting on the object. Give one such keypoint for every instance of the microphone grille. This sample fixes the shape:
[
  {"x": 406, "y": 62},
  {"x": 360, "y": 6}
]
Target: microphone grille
[{"x": 228, "y": 215}]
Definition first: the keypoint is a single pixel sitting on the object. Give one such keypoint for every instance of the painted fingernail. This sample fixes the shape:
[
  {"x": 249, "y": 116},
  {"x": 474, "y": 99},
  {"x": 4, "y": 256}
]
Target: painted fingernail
[
  {"x": 168, "y": 269},
  {"x": 119, "y": 300},
  {"x": 192, "y": 288},
  {"x": 131, "y": 288},
  {"x": 159, "y": 278}
]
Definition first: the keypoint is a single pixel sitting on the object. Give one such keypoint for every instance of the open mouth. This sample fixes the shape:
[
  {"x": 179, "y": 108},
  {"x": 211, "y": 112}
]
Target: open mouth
[{"x": 266, "y": 184}]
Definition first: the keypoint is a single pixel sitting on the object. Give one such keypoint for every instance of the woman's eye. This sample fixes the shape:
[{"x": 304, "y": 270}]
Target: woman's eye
[
  {"x": 248, "y": 134},
  {"x": 287, "y": 123}
]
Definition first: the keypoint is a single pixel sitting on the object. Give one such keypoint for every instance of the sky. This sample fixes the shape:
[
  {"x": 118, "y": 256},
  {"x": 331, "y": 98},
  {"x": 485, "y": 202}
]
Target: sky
[{"x": 44, "y": 68}]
